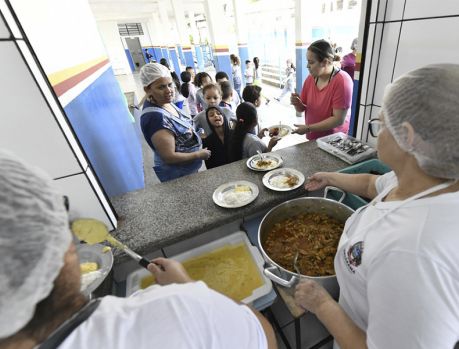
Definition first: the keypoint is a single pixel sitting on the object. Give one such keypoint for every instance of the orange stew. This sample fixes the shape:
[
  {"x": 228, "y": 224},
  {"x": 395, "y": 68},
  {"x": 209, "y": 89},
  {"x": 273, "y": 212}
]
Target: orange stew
[{"x": 314, "y": 235}]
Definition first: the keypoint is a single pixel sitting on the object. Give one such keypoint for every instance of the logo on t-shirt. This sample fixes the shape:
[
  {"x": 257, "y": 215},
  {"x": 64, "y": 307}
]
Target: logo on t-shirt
[{"x": 353, "y": 256}]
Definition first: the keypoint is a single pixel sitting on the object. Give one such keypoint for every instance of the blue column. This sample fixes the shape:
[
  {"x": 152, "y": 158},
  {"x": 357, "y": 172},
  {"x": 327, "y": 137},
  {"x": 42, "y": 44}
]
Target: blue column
[
  {"x": 129, "y": 58},
  {"x": 181, "y": 56},
  {"x": 243, "y": 56},
  {"x": 158, "y": 53},
  {"x": 165, "y": 52},
  {"x": 189, "y": 60},
  {"x": 174, "y": 58},
  {"x": 222, "y": 60},
  {"x": 301, "y": 66},
  {"x": 199, "y": 57}
]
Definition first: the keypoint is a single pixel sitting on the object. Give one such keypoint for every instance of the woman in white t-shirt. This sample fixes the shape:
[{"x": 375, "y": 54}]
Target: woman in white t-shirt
[
  {"x": 244, "y": 143},
  {"x": 397, "y": 262}
]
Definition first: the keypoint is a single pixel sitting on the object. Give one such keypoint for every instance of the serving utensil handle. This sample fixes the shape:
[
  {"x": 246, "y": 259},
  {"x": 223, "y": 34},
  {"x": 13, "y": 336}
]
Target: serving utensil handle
[
  {"x": 277, "y": 279},
  {"x": 343, "y": 193}
]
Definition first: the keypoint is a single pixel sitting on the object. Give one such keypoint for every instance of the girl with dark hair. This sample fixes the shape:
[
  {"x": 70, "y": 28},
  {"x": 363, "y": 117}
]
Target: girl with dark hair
[
  {"x": 189, "y": 92},
  {"x": 256, "y": 71},
  {"x": 218, "y": 141},
  {"x": 244, "y": 143},
  {"x": 326, "y": 96},
  {"x": 201, "y": 79}
]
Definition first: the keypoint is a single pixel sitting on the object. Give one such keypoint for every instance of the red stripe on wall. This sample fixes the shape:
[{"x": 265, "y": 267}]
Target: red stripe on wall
[{"x": 66, "y": 85}]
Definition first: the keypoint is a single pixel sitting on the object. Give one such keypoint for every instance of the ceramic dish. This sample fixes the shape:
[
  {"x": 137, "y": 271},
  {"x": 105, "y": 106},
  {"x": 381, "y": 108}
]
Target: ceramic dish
[
  {"x": 95, "y": 254},
  {"x": 265, "y": 162},
  {"x": 283, "y": 179},
  {"x": 279, "y": 130},
  {"x": 235, "y": 194}
]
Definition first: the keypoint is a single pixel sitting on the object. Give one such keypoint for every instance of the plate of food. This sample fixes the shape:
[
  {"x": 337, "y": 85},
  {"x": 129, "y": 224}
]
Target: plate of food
[
  {"x": 96, "y": 261},
  {"x": 283, "y": 179},
  {"x": 235, "y": 194},
  {"x": 264, "y": 162},
  {"x": 279, "y": 130}
]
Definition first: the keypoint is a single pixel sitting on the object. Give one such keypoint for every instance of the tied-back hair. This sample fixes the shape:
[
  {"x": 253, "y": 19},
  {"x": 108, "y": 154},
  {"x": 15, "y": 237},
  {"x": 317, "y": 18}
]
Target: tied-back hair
[
  {"x": 235, "y": 59},
  {"x": 185, "y": 88},
  {"x": 251, "y": 93},
  {"x": 256, "y": 62},
  {"x": 198, "y": 78},
  {"x": 246, "y": 114},
  {"x": 323, "y": 50}
]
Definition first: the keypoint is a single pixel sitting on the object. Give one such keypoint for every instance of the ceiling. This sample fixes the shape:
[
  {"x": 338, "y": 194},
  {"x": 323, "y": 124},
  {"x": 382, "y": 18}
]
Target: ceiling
[{"x": 120, "y": 10}]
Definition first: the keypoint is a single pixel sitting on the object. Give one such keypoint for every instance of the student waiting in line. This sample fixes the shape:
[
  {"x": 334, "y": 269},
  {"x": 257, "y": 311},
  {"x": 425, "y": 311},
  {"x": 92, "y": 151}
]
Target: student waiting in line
[
  {"x": 201, "y": 79},
  {"x": 227, "y": 96},
  {"x": 188, "y": 90},
  {"x": 218, "y": 141},
  {"x": 222, "y": 76},
  {"x": 213, "y": 97},
  {"x": 244, "y": 143},
  {"x": 248, "y": 74}
]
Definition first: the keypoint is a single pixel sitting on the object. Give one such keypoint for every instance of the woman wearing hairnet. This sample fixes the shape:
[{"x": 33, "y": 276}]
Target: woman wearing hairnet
[
  {"x": 168, "y": 132},
  {"x": 397, "y": 262},
  {"x": 41, "y": 305}
]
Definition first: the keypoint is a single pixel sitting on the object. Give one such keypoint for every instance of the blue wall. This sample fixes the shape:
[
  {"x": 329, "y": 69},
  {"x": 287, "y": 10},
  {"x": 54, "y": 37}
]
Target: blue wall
[
  {"x": 105, "y": 129},
  {"x": 131, "y": 63}
]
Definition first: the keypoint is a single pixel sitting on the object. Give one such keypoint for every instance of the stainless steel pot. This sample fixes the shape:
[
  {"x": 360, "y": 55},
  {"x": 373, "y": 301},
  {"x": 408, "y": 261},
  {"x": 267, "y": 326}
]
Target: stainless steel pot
[{"x": 335, "y": 209}]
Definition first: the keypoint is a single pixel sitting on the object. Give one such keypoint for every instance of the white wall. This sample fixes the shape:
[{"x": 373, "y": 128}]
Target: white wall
[
  {"x": 34, "y": 127},
  {"x": 114, "y": 46},
  {"x": 404, "y": 35}
]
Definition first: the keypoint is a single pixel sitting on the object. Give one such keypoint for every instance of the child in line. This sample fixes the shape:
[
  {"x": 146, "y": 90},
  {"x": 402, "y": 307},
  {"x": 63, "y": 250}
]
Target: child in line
[
  {"x": 227, "y": 96},
  {"x": 222, "y": 76},
  {"x": 288, "y": 81},
  {"x": 213, "y": 97},
  {"x": 248, "y": 73},
  {"x": 245, "y": 144},
  {"x": 188, "y": 90},
  {"x": 218, "y": 141},
  {"x": 201, "y": 79}
]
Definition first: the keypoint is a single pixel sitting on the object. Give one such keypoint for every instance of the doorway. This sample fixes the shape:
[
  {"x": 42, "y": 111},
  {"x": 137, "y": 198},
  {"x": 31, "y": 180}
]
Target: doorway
[{"x": 135, "y": 49}]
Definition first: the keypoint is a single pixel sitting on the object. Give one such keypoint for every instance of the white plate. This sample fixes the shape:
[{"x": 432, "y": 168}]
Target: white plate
[
  {"x": 285, "y": 130},
  {"x": 235, "y": 194},
  {"x": 104, "y": 260},
  {"x": 274, "y": 158},
  {"x": 274, "y": 180}
]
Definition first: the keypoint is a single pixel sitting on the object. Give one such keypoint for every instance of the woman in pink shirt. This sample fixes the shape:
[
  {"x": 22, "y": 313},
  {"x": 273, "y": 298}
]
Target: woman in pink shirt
[{"x": 326, "y": 96}]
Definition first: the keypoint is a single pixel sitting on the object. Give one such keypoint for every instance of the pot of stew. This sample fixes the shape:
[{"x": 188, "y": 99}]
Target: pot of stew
[{"x": 309, "y": 228}]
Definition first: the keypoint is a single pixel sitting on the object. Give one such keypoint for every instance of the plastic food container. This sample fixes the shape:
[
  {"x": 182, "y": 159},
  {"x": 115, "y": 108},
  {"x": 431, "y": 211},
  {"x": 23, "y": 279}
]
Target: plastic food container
[
  {"x": 346, "y": 148},
  {"x": 135, "y": 280}
]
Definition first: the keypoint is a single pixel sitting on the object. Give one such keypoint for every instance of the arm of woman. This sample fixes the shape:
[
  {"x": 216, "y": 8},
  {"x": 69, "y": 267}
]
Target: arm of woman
[
  {"x": 336, "y": 119},
  {"x": 359, "y": 184},
  {"x": 164, "y": 143},
  {"x": 313, "y": 297}
]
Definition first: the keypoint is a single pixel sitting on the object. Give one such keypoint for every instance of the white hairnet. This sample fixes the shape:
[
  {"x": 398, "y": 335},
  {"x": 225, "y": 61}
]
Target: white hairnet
[
  {"x": 34, "y": 236},
  {"x": 151, "y": 72},
  {"x": 427, "y": 98}
]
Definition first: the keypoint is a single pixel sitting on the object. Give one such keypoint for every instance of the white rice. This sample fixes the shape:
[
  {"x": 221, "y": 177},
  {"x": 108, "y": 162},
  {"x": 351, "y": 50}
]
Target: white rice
[
  {"x": 279, "y": 181},
  {"x": 236, "y": 198}
]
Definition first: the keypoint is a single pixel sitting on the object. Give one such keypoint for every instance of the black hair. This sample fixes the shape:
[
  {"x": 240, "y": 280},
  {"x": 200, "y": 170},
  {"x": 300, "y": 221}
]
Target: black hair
[
  {"x": 251, "y": 93},
  {"x": 256, "y": 62},
  {"x": 185, "y": 88},
  {"x": 176, "y": 80},
  {"x": 323, "y": 50},
  {"x": 246, "y": 115},
  {"x": 247, "y": 61},
  {"x": 221, "y": 75},
  {"x": 226, "y": 88},
  {"x": 189, "y": 67},
  {"x": 163, "y": 61},
  {"x": 292, "y": 66},
  {"x": 198, "y": 78},
  {"x": 226, "y": 128}
]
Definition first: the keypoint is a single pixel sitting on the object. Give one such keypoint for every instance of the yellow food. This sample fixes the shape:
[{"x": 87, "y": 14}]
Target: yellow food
[
  {"x": 88, "y": 267},
  {"x": 90, "y": 230},
  {"x": 229, "y": 270},
  {"x": 242, "y": 188}
]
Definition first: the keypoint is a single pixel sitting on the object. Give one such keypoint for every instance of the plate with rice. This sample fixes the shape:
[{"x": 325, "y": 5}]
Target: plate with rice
[
  {"x": 283, "y": 179},
  {"x": 235, "y": 194}
]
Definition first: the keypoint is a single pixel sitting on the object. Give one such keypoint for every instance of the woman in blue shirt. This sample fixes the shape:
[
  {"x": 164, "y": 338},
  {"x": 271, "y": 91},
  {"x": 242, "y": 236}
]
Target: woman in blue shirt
[{"x": 169, "y": 133}]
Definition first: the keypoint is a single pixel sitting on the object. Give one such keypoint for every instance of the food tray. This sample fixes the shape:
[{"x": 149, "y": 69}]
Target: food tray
[
  {"x": 134, "y": 279},
  {"x": 346, "y": 148}
]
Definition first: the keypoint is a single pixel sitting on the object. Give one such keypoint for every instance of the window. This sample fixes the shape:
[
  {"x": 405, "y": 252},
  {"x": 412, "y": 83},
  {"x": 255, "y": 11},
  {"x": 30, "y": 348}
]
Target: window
[{"x": 130, "y": 29}]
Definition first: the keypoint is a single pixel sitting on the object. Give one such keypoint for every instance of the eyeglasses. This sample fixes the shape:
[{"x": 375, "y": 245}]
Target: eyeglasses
[{"x": 375, "y": 126}]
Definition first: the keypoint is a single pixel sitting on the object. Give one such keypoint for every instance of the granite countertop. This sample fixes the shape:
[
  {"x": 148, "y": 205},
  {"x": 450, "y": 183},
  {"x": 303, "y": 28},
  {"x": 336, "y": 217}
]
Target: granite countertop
[{"x": 165, "y": 213}]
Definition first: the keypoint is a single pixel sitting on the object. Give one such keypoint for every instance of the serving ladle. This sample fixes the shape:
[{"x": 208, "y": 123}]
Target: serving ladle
[
  {"x": 93, "y": 231},
  {"x": 295, "y": 264}
]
